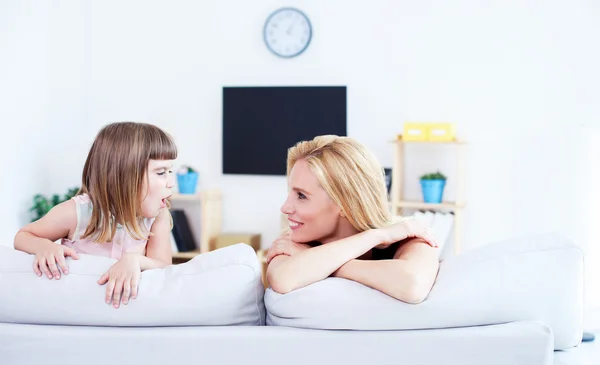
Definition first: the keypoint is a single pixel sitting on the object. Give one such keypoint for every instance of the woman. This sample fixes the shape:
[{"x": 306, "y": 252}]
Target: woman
[{"x": 341, "y": 226}]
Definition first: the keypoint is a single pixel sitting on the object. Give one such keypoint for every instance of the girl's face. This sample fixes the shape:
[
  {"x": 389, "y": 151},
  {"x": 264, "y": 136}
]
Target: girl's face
[
  {"x": 311, "y": 213},
  {"x": 157, "y": 187}
]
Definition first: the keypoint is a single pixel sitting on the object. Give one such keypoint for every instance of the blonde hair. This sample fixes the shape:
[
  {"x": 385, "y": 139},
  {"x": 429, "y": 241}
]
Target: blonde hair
[
  {"x": 114, "y": 172},
  {"x": 351, "y": 176}
]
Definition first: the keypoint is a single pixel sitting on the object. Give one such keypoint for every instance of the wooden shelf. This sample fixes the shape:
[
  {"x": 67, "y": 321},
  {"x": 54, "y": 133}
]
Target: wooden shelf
[
  {"x": 428, "y": 206},
  {"x": 204, "y": 195},
  {"x": 186, "y": 255},
  {"x": 210, "y": 204},
  {"x": 183, "y": 197},
  {"x": 262, "y": 258}
]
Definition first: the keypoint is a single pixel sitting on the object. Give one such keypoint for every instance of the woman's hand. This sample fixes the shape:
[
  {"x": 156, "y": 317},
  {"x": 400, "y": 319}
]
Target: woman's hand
[
  {"x": 123, "y": 278},
  {"x": 285, "y": 246},
  {"x": 48, "y": 256},
  {"x": 409, "y": 228}
]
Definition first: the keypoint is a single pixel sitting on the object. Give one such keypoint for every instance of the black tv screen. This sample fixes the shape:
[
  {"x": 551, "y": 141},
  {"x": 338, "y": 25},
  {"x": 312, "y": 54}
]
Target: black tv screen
[{"x": 261, "y": 123}]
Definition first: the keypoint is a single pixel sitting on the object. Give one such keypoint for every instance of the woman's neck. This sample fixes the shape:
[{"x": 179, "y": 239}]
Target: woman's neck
[{"x": 343, "y": 230}]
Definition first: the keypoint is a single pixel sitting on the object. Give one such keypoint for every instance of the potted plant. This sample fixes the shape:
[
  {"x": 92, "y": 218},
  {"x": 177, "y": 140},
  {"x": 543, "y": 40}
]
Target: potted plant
[
  {"x": 42, "y": 204},
  {"x": 187, "y": 179},
  {"x": 432, "y": 186}
]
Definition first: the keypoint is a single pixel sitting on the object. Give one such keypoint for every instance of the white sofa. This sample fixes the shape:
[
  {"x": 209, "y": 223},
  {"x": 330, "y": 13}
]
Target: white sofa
[{"x": 511, "y": 302}]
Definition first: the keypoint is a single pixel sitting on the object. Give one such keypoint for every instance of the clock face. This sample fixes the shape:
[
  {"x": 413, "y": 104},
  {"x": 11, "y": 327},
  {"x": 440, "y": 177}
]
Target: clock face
[{"x": 287, "y": 32}]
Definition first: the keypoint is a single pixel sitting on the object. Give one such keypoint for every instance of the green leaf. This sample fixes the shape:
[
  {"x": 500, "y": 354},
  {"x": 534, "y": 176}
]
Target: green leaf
[
  {"x": 42, "y": 205},
  {"x": 433, "y": 176}
]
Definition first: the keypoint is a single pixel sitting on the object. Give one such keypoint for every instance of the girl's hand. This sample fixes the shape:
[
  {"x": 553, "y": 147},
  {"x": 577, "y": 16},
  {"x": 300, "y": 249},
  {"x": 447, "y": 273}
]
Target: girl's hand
[
  {"x": 47, "y": 258},
  {"x": 409, "y": 228},
  {"x": 285, "y": 246},
  {"x": 123, "y": 278}
]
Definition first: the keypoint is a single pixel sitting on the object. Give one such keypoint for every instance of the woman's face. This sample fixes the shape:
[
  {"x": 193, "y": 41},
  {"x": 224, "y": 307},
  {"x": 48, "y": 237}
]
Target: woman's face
[{"x": 311, "y": 213}]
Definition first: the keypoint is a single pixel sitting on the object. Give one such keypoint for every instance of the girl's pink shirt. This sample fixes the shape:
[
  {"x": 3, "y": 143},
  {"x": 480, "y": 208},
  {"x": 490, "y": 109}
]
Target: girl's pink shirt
[{"x": 121, "y": 243}]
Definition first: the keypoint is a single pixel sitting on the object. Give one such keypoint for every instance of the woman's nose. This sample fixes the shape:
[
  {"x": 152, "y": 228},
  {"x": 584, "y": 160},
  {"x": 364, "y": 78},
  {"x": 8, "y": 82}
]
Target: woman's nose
[{"x": 287, "y": 207}]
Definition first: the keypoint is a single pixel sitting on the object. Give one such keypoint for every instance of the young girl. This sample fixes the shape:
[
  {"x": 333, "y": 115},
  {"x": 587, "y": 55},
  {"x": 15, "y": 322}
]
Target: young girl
[{"x": 121, "y": 211}]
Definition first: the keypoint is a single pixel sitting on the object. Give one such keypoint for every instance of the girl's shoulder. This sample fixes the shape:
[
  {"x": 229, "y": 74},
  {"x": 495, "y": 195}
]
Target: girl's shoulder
[
  {"x": 83, "y": 198},
  {"x": 84, "y": 208}
]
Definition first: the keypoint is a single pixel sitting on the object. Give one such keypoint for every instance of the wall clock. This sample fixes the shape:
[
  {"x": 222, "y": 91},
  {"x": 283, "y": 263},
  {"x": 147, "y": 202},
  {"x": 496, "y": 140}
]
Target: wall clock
[{"x": 287, "y": 32}]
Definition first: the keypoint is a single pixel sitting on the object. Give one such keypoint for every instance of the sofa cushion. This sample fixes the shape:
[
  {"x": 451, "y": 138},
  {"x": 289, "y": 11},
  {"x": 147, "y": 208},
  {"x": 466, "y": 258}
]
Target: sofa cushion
[
  {"x": 530, "y": 278},
  {"x": 222, "y": 287},
  {"x": 517, "y": 343}
]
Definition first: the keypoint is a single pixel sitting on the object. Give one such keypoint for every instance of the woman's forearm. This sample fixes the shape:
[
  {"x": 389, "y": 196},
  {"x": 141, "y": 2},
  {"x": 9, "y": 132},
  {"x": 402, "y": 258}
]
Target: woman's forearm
[
  {"x": 392, "y": 277},
  {"x": 408, "y": 277},
  {"x": 287, "y": 273}
]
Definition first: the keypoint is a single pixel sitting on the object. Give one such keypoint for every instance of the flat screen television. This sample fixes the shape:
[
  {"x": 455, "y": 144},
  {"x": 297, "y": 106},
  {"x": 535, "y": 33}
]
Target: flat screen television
[{"x": 261, "y": 123}]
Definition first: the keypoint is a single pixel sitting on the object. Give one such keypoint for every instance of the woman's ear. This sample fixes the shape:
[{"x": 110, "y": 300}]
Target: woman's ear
[{"x": 342, "y": 214}]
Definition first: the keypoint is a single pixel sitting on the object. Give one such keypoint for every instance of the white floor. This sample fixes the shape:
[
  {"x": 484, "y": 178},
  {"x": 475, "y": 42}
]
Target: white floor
[{"x": 587, "y": 353}]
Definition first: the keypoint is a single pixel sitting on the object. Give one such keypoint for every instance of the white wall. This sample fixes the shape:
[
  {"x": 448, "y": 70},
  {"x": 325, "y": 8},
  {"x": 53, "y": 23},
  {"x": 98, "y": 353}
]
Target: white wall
[
  {"x": 41, "y": 69},
  {"x": 515, "y": 76}
]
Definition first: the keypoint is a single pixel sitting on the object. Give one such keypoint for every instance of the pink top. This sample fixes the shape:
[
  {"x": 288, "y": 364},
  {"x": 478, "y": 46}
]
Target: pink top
[{"x": 121, "y": 243}]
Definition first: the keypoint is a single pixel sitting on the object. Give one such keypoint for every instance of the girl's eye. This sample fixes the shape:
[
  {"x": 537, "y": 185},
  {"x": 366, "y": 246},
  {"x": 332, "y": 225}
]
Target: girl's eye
[{"x": 301, "y": 196}]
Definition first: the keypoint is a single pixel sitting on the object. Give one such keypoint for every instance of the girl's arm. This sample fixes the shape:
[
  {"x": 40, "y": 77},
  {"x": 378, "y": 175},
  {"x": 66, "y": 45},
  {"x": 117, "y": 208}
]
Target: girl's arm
[
  {"x": 38, "y": 238},
  {"x": 123, "y": 277},
  {"x": 286, "y": 273},
  {"x": 408, "y": 277},
  {"x": 59, "y": 222},
  {"x": 158, "y": 249}
]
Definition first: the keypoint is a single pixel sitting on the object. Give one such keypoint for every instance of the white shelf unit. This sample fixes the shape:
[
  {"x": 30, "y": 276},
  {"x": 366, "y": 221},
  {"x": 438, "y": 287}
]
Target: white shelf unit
[{"x": 398, "y": 202}]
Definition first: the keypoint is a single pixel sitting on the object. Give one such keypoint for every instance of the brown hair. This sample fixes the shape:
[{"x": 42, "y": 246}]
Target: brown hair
[
  {"x": 114, "y": 173},
  {"x": 351, "y": 176}
]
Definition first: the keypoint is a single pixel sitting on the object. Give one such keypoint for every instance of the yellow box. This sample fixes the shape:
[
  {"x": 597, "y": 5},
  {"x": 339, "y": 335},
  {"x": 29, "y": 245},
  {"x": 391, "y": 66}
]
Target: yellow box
[
  {"x": 228, "y": 239},
  {"x": 441, "y": 132},
  {"x": 415, "y": 132}
]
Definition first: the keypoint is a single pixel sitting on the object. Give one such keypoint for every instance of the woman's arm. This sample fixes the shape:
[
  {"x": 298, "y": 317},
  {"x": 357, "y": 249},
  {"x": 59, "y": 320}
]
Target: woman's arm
[
  {"x": 286, "y": 273},
  {"x": 408, "y": 277},
  {"x": 158, "y": 249}
]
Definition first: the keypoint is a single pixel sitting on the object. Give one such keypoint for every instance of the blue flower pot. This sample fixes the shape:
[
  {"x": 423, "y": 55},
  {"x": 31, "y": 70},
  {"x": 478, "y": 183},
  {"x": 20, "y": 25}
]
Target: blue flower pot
[
  {"x": 187, "y": 182},
  {"x": 433, "y": 190}
]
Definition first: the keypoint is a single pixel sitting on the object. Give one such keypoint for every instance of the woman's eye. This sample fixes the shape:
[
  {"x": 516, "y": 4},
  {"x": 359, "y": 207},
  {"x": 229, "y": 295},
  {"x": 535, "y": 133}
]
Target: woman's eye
[{"x": 301, "y": 196}]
